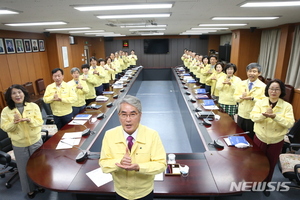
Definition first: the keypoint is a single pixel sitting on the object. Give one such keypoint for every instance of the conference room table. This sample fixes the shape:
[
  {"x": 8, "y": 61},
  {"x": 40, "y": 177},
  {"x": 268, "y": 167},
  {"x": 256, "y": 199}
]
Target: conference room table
[{"x": 211, "y": 172}]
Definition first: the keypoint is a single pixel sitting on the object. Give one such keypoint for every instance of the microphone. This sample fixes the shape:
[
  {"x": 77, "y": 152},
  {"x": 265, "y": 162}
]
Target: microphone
[
  {"x": 85, "y": 132},
  {"x": 82, "y": 156},
  {"x": 219, "y": 144},
  {"x": 206, "y": 120}
]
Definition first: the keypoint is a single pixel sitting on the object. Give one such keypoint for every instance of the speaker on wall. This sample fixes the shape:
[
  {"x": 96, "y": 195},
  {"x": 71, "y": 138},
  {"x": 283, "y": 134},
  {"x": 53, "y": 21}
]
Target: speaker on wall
[
  {"x": 203, "y": 37},
  {"x": 108, "y": 39},
  {"x": 224, "y": 52}
]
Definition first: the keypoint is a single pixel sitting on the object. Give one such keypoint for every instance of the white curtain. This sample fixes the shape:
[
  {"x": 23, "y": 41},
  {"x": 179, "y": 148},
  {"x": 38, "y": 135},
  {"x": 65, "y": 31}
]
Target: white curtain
[
  {"x": 294, "y": 63},
  {"x": 268, "y": 52}
]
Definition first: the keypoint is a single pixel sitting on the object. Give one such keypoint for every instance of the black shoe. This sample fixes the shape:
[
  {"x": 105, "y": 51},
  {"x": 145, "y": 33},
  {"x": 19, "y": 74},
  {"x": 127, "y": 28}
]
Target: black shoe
[{"x": 32, "y": 195}]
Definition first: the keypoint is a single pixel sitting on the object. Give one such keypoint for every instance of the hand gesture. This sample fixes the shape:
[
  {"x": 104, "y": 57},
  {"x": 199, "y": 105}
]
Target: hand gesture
[
  {"x": 244, "y": 94},
  {"x": 126, "y": 162},
  {"x": 17, "y": 117},
  {"x": 269, "y": 113},
  {"x": 79, "y": 86},
  {"x": 56, "y": 98}
]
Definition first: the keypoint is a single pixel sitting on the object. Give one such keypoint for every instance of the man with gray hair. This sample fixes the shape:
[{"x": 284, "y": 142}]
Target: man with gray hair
[
  {"x": 246, "y": 94},
  {"x": 132, "y": 153}
]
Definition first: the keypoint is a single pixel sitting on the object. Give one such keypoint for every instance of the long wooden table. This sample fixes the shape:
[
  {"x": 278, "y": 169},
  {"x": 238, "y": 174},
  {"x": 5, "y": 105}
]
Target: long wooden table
[{"x": 211, "y": 172}]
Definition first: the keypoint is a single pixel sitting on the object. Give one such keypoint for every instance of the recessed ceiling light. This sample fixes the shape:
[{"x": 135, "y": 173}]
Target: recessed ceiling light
[
  {"x": 133, "y": 16},
  {"x": 222, "y": 24},
  {"x": 149, "y": 29},
  {"x": 271, "y": 4},
  {"x": 36, "y": 24},
  {"x": 142, "y": 26},
  {"x": 7, "y": 12},
  {"x": 244, "y": 18},
  {"x": 86, "y": 31},
  {"x": 67, "y": 29},
  {"x": 123, "y": 7}
]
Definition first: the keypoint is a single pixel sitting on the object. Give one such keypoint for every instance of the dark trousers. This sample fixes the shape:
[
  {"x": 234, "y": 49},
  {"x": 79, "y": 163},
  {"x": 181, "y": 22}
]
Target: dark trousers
[
  {"x": 77, "y": 110},
  {"x": 246, "y": 125},
  {"x": 150, "y": 196},
  {"x": 105, "y": 86},
  {"x": 207, "y": 88},
  {"x": 60, "y": 121},
  {"x": 272, "y": 152},
  {"x": 99, "y": 90},
  {"x": 88, "y": 101}
]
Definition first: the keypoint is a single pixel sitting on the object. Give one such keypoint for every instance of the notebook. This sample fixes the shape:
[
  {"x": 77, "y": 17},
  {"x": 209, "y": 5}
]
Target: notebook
[
  {"x": 200, "y": 91},
  {"x": 233, "y": 140}
]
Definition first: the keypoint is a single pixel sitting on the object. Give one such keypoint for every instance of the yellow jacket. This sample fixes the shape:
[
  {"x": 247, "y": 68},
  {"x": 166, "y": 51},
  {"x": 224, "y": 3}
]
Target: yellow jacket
[
  {"x": 91, "y": 82},
  {"x": 132, "y": 59},
  {"x": 23, "y": 134},
  {"x": 147, "y": 151},
  {"x": 272, "y": 131},
  {"x": 80, "y": 92},
  {"x": 202, "y": 73},
  {"x": 226, "y": 91},
  {"x": 257, "y": 92},
  {"x": 99, "y": 78},
  {"x": 212, "y": 83},
  {"x": 67, "y": 95}
]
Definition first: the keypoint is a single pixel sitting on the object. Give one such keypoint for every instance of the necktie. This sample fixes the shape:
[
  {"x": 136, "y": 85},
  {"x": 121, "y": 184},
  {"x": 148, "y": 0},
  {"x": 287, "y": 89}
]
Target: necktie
[
  {"x": 250, "y": 85},
  {"x": 130, "y": 142}
]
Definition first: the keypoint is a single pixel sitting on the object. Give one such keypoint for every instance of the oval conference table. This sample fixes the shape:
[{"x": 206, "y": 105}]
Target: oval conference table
[{"x": 211, "y": 173}]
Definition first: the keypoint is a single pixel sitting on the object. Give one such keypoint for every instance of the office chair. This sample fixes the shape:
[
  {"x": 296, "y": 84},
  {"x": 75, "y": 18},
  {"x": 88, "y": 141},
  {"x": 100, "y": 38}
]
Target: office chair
[
  {"x": 49, "y": 115},
  {"x": 6, "y": 154},
  {"x": 33, "y": 97},
  {"x": 7, "y": 159},
  {"x": 40, "y": 86},
  {"x": 293, "y": 136},
  {"x": 289, "y": 90}
]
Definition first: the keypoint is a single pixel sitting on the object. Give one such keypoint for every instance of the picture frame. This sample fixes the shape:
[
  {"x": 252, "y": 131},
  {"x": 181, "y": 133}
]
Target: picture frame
[
  {"x": 2, "y": 49},
  {"x": 27, "y": 45},
  {"x": 34, "y": 45},
  {"x": 19, "y": 45},
  {"x": 41, "y": 45},
  {"x": 10, "y": 45}
]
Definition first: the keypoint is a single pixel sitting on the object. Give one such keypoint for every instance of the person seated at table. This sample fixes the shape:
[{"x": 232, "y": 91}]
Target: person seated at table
[
  {"x": 212, "y": 80},
  {"x": 81, "y": 90},
  {"x": 272, "y": 117},
  {"x": 248, "y": 92},
  {"x": 91, "y": 82},
  {"x": 22, "y": 120},
  {"x": 60, "y": 96},
  {"x": 132, "y": 153},
  {"x": 226, "y": 85}
]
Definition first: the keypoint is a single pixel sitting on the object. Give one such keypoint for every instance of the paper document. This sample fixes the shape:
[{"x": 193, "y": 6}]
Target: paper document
[
  {"x": 77, "y": 122},
  {"x": 83, "y": 116},
  {"x": 72, "y": 135},
  {"x": 159, "y": 177},
  {"x": 68, "y": 143},
  {"x": 98, "y": 177}
]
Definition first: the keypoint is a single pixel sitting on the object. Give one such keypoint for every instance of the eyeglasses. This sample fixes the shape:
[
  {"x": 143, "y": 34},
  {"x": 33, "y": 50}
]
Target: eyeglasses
[
  {"x": 275, "y": 89},
  {"x": 131, "y": 115}
]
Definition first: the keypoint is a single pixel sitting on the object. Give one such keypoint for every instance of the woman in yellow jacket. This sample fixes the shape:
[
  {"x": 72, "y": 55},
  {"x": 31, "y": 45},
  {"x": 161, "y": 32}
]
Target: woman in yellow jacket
[
  {"x": 272, "y": 118},
  {"x": 212, "y": 80},
  {"x": 22, "y": 120},
  {"x": 226, "y": 85}
]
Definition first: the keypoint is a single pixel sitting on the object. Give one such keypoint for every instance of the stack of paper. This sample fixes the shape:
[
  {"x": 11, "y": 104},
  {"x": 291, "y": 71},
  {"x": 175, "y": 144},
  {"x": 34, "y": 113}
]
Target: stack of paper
[{"x": 69, "y": 139}]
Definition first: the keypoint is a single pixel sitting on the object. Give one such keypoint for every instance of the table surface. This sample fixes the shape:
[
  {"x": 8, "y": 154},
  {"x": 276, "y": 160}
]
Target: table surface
[{"x": 211, "y": 172}]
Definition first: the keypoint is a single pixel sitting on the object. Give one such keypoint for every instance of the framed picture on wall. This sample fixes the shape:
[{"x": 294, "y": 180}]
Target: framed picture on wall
[
  {"x": 2, "y": 49},
  {"x": 27, "y": 45},
  {"x": 19, "y": 45},
  {"x": 34, "y": 45},
  {"x": 41, "y": 45},
  {"x": 10, "y": 47}
]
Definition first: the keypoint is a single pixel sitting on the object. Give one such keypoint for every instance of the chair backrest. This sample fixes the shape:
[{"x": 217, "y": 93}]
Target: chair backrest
[
  {"x": 2, "y": 101},
  {"x": 40, "y": 86},
  {"x": 289, "y": 90},
  {"x": 29, "y": 88},
  {"x": 262, "y": 79},
  {"x": 5, "y": 142},
  {"x": 46, "y": 107},
  {"x": 294, "y": 134},
  {"x": 267, "y": 80}
]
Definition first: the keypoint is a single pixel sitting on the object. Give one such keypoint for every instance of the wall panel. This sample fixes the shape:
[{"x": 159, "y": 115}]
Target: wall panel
[
  {"x": 14, "y": 69},
  {"x": 5, "y": 77},
  {"x": 24, "y": 71}
]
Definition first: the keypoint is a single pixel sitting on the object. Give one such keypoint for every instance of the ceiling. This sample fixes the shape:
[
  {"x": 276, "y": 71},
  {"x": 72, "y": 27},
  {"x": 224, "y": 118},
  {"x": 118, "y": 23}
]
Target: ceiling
[{"x": 185, "y": 14}]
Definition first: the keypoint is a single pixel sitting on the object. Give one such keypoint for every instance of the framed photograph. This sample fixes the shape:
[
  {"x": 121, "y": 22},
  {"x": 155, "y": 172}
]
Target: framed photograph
[
  {"x": 34, "y": 45},
  {"x": 41, "y": 45},
  {"x": 19, "y": 45},
  {"x": 2, "y": 51},
  {"x": 27, "y": 45},
  {"x": 10, "y": 47}
]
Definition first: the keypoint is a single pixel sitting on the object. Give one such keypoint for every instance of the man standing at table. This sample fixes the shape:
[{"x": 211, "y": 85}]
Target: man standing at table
[
  {"x": 60, "y": 96},
  {"x": 132, "y": 153}
]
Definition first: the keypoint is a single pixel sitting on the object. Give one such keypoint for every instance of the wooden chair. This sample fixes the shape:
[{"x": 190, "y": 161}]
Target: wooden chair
[
  {"x": 29, "y": 87},
  {"x": 289, "y": 90},
  {"x": 34, "y": 98},
  {"x": 267, "y": 80},
  {"x": 40, "y": 86},
  {"x": 2, "y": 101}
]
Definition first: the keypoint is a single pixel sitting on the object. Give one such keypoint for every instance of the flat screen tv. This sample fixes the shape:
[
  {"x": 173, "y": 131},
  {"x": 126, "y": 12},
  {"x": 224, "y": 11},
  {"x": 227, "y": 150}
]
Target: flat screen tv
[{"x": 156, "y": 46}]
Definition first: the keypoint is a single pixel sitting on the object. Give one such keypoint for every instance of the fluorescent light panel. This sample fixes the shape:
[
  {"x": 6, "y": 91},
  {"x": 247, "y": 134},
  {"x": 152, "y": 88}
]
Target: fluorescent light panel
[
  {"x": 114, "y": 35},
  {"x": 209, "y": 28},
  {"x": 67, "y": 29},
  {"x": 244, "y": 18},
  {"x": 124, "y": 7},
  {"x": 36, "y": 24},
  {"x": 150, "y": 29},
  {"x": 143, "y": 26},
  {"x": 7, "y": 12},
  {"x": 271, "y": 4},
  {"x": 152, "y": 34},
  {"x": 104, "y": 33},
  {"x": 190, "y": 33},
  {"x": 222, "y": 24},
  {"x": 133, "y": 16},
  {"x": 93, "y": 31}
]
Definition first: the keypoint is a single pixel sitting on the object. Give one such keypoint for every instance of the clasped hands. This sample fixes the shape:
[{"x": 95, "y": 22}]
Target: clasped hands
[
  {"x": 269, "y": 113},
  {"x": 17, "y": 118},
  {"x": 245, "y": 96},
  {"x": 127, "y": 164},
  {"x": 56, "y": 98}
]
